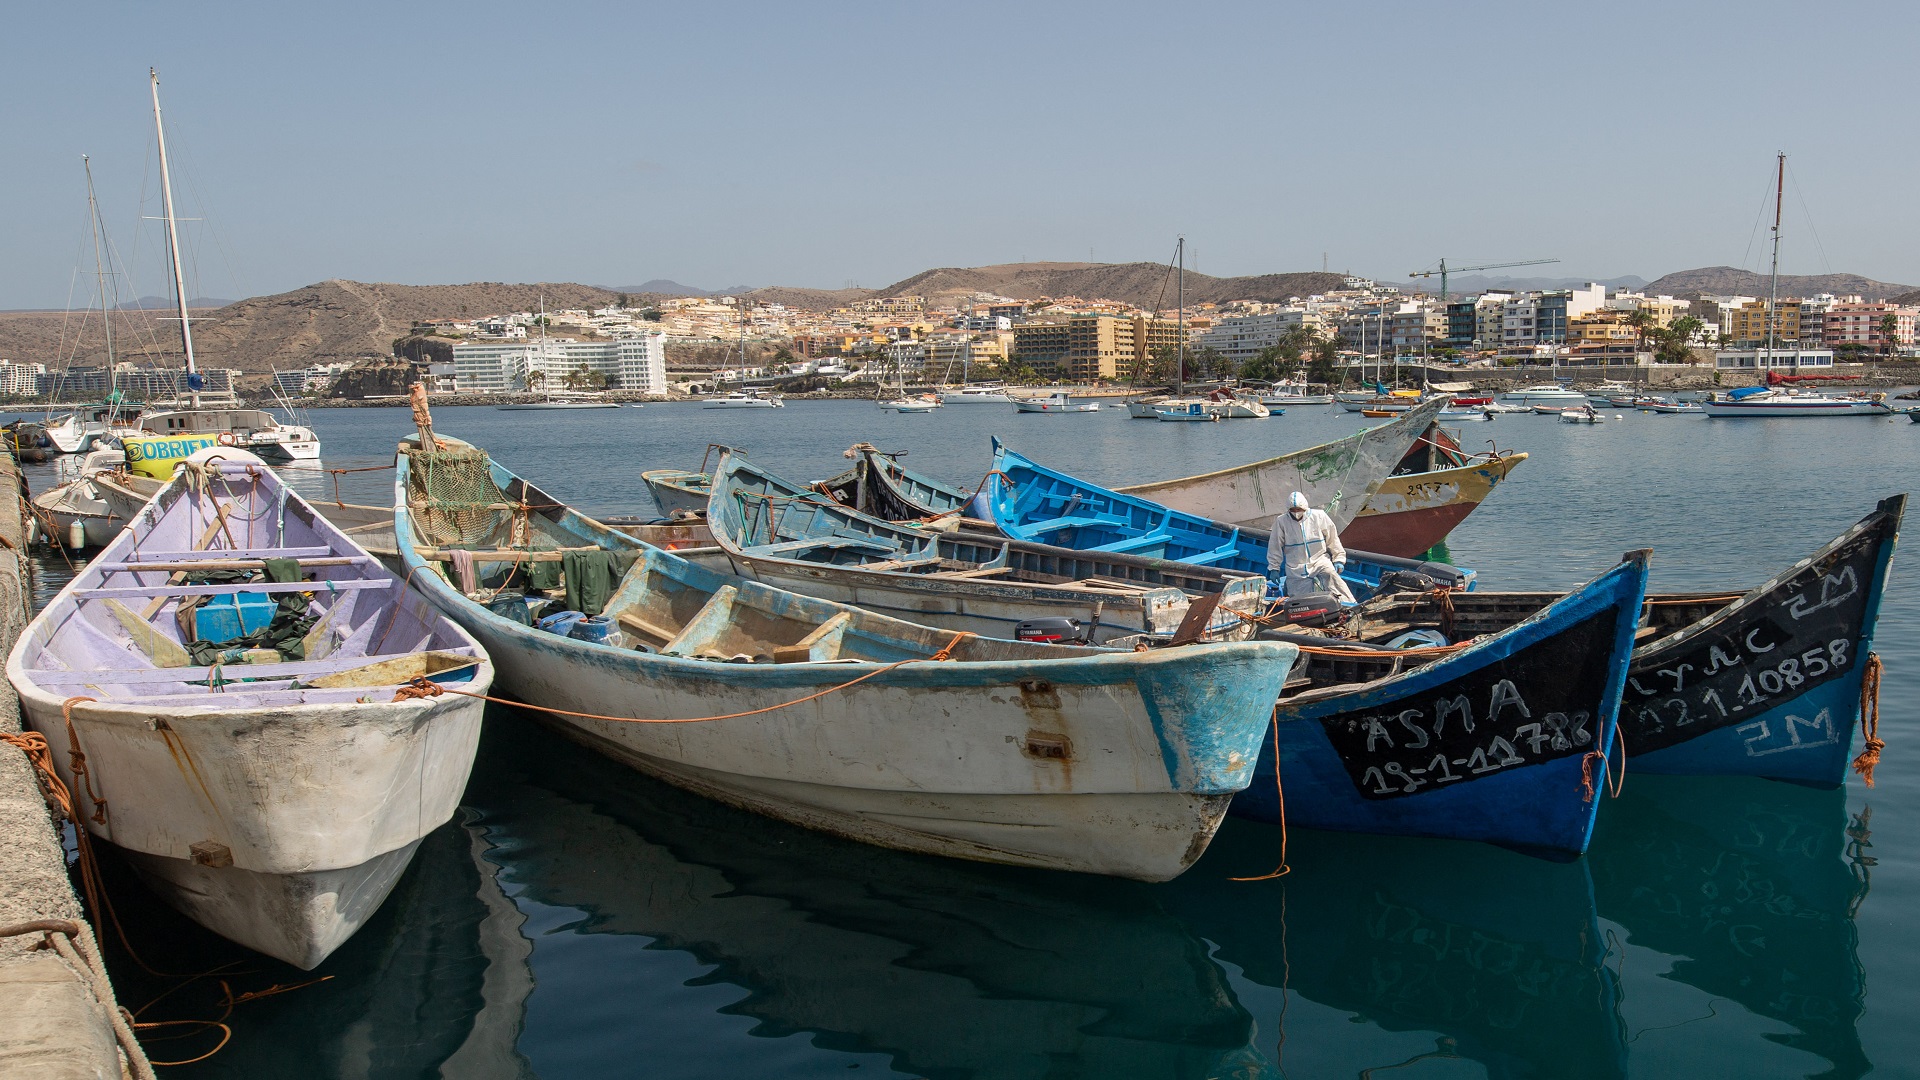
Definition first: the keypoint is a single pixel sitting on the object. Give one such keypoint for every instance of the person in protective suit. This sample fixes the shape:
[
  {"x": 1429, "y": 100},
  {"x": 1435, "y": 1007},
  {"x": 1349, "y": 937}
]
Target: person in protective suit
[{"x": 1305, "y": 557}]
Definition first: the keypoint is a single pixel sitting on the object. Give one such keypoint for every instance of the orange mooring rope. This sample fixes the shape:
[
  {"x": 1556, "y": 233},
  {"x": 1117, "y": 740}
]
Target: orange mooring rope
[
  {"x": 426, "y": 688},
  {"x": 1280, "y": 796},
  {"x": 1870, "y": 720}
]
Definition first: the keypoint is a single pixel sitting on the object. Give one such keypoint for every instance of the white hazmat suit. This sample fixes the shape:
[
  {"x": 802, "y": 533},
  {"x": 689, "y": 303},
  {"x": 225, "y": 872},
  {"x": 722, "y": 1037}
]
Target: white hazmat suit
[{"x": 1306, "y": 556}]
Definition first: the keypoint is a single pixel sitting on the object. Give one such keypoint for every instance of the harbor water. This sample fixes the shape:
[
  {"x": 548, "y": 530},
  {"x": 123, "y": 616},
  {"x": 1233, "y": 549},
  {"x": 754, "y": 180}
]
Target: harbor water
[{"x": 577, "y": 919}]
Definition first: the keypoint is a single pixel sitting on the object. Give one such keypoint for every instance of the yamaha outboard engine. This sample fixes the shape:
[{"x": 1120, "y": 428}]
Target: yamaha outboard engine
[{"x": 1053, "y": 630}]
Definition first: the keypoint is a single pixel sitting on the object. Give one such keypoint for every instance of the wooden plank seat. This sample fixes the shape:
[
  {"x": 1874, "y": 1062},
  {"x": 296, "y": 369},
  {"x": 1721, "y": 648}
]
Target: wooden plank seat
[
  {"x": 166, "y": 589},
  {"x": 1050, "y": 524},
  {"x": 1135, "y": 543},
  {"x": 234, "y": 564},
  {"x": 144, "y": 557},
  {"x": 502, "y": 554},
  {"x": 290, "y": 669},
  {"x": 809, "y": 544}
]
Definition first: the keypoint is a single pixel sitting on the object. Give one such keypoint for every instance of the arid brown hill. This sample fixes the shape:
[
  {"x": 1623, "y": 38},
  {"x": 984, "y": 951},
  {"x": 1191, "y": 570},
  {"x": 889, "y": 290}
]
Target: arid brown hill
[
  {"x": 1140, "y": 284},
  {"x": 1732, "y": 281},
  {"x": 327, "y": 323}
]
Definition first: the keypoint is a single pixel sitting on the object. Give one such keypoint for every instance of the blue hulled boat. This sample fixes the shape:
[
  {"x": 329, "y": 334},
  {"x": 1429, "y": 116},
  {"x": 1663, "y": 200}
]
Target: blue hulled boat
[
  {"x": 1030, "y": 501},
  {"x": 1503, "y": 741},
  {"x": 1766, "y": 683}
]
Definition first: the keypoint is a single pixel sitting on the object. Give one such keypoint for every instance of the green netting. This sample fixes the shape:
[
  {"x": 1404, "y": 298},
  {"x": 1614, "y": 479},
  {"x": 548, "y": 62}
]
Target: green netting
[{"x": 455, "y": 503}]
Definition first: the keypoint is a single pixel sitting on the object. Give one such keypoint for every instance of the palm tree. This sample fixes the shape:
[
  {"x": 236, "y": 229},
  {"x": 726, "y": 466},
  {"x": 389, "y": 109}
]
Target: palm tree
[
  {"x": 1644, "y": 324},
  {"x": 1889, "y": 326},
  {"x": 535, "y": 380}
]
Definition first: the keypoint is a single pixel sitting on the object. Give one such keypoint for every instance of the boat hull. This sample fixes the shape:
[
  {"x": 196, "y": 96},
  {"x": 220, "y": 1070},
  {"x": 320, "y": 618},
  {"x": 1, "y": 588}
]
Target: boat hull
[
  {"x": 675, "y": 491},
  {"x": 1770, "y": 685},
  {"x": 1336, "y": 477},
  {"x": 1410, "y": 514},
  {"x": 1012, "y": 752},
  {"x": 301, "y": 801},
  {"x": 1494, "y": 743},
  {"x": 1725, "y": 410},
  {"x": 1139, "y": 793}
]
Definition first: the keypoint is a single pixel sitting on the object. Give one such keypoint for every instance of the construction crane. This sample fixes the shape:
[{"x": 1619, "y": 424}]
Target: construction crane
[{"x": 1445, "y": 270}]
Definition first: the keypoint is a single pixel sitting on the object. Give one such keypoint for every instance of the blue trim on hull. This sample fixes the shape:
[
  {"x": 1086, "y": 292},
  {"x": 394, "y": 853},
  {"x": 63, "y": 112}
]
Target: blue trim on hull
[{"x": 1539, "y": 804}]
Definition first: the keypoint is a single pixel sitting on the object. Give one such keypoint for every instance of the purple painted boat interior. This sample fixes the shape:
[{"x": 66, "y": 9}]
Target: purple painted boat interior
[{"x": 115, "y": 634}]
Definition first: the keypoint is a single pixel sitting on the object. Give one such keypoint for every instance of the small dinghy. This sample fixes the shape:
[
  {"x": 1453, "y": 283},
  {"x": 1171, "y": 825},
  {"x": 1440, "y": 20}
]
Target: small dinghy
[
  {"x": 681, "y": 491},
  {"x": 1585, "y": 414},
  {"x": 229, "y": 667},
  {"x": 827, "y": 716},
  {"x": 776, "y": 531}
]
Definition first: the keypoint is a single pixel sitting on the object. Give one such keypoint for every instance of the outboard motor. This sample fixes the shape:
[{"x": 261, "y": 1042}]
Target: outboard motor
[
  {"x": 1053, "y": 630},
  {"x": 1318, "y": 610}
]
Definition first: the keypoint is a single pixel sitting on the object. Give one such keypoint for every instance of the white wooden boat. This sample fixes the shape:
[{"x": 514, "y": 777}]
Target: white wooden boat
[
  {"x": 1585, "y": 415},
  {"x": 1336, "y": 477},
  {"x": 924, "y": 403},
  {"x": 841, "y": 720},
  {"x": 1054, "y": 403},
  {"x": 273, "y": 800}
]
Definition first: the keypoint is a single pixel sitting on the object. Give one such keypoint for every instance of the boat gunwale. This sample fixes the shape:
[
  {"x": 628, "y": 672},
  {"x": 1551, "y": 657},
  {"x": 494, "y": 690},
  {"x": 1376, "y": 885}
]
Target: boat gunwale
[{"x": 1424, "y": 413}]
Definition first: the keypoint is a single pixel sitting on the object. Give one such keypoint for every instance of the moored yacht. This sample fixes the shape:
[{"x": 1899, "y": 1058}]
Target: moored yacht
[
  {"x": 1544, "y": 394},
  {"x": 976, "y": 394},
  {"x": 255, "y": 430},
  {"x": 744, "y": 399}
]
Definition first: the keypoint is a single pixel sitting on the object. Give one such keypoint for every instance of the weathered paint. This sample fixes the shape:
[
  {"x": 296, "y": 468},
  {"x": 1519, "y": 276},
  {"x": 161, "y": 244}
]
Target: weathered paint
[
  {"x": 928, "y": 757},
  {"x": 1411, "y": 513},
  {"x": 1335, "y": 477},
  {"x": 1770, "y": 684},
  {"x": 1523, "y": 787},
  {"x": 275, "y": 815}
]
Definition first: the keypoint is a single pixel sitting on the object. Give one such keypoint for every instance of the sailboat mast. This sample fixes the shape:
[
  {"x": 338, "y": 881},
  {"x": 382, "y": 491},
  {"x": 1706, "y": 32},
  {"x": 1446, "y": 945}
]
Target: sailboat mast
[
  {"x": 100, "y": 275},
  {"x": 173, "y": 240},
  {"x": 1773, "y": 278},
  {"x": 1180, "y": 320}
]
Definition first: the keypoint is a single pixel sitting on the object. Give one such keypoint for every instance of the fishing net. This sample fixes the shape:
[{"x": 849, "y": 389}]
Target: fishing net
[{"x": 454, "y": 502}]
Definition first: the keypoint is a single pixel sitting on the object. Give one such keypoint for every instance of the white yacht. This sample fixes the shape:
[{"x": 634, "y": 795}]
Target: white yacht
[
  {"x": 1544, "y": 394},
  {"x": 981, "y": 394},
  {"x": 254, "y": 430},
  {"x": 744, "y": 399}
]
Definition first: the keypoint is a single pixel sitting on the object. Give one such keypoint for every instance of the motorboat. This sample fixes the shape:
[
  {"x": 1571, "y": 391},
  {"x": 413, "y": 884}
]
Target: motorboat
[
  {"x": 253, "y": 430},
  {"x": 1544, "y": 394},
  {"x": 1586, "y": 414},
  {"x": 1191, "y": 412},
  {"x": 975, "y": 394},
  {"x": 1057, "y": 402}
]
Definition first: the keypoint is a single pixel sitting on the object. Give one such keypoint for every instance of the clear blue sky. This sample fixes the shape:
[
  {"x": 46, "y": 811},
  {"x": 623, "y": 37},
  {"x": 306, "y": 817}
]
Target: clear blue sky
[{"x": 821, "y": 143}]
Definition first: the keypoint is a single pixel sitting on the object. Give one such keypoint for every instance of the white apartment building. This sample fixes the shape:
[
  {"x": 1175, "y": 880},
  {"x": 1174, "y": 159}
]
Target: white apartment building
[
  {"x": 1530, "y": 320},
  {"x": 20, "y": 380},
  {"x": 1243, "y": 337},
  {"x": 635, "y": 362}
]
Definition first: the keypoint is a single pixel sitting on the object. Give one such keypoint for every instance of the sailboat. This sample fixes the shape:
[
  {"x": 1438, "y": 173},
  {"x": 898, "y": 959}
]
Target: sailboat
[
  {"x": 749, "y": 398},
  {"x": 80, "y": 430},
  {"x": 554, "y": 399},
  {"x": 970, "y": 392},
  {"x": 255, "y": 430},
  {"x": 896, "y": 398}
]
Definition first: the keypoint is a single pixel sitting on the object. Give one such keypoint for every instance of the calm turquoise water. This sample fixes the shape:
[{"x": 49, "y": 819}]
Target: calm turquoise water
[{"x": 580, "y": 920}]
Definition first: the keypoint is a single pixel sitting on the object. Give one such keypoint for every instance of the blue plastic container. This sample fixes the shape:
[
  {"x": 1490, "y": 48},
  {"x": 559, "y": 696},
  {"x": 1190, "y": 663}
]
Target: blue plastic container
[
  {"x": 223, "y": 618},
  {"x": 560, "y": 622},
  {"x": 594, "y": 628}
]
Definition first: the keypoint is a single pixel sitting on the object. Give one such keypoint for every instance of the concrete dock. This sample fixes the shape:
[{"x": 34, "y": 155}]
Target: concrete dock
[{"x": 60, "y": 1019}]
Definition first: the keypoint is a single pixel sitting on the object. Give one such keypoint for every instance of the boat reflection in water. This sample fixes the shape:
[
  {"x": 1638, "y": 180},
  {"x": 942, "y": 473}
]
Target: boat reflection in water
[
  {"x": 674, "y": 936},
  {"x": 1498, "y": 953},
  {"x": 942, "y": 968},
  {"x": 1751, "y": 886}
]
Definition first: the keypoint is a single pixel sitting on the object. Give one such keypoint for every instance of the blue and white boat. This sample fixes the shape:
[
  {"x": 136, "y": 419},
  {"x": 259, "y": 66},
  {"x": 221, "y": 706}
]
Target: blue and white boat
[
  {"x": 1030, "y": 501},
  {"x": 1504, "y": 741},
  {"x": 778, "y": 532},
  {"x": 827, "y": 716}
]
